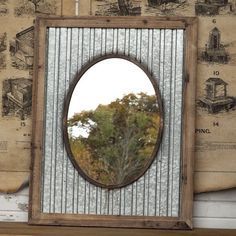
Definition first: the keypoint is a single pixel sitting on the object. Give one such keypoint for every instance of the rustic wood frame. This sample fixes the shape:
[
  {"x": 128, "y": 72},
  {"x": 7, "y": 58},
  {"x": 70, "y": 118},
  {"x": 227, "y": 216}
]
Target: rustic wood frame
[
  {"x": 22, "y": 229},
  {"x": 184, "y": 221}
]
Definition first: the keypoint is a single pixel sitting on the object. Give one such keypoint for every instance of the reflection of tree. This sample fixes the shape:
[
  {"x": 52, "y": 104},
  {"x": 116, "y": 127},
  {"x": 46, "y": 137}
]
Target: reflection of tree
[{"x": 121, "y": 138}]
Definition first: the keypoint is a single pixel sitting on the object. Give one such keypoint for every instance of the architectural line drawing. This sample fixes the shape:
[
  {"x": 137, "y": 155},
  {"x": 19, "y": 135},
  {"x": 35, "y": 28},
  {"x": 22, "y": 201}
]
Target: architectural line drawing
[
  {"x": 3, "y": 7},
  {"x": 32, "y": 7},
  {"x": 214, "y": 7},
  {"x": 17, "y": 97},
  {"x": 166, "y": 7},
  {"x": 3, "y": 47},
  {"x": 136, "y": 7},
  {"x": 2, "y": 61},
  {"x": 216, "y": 98},
  {"x": 3, "y": 41},
  {"x": 214, "y": 50},
  {"x": 118, "y": 7},
  {"x": 22, "y": 49},
  {"x": 127, "y": 7},
  {"x": 164, "y": 3}
]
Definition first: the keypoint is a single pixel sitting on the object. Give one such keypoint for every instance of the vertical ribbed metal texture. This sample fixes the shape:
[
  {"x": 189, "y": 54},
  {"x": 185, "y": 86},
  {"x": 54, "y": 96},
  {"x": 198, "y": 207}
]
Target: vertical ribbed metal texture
[{"x": 157, "y": 192}]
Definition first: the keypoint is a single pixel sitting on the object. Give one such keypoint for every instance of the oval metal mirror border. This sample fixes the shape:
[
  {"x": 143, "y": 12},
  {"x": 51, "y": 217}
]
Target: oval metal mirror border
[{"x": 65, "y": 115}]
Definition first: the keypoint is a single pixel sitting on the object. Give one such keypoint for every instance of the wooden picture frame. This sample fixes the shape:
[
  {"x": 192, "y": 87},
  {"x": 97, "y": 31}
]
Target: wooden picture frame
[{"x": 184, "y": 218}]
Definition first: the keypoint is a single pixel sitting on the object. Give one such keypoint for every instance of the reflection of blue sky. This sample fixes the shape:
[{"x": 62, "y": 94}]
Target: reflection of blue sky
[{"x": 105, "y": 82}]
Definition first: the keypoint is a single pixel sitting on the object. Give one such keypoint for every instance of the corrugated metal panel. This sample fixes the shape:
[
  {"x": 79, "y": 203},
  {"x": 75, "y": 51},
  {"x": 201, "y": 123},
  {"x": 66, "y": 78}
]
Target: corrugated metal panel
[{"x": 157, "y": 192}]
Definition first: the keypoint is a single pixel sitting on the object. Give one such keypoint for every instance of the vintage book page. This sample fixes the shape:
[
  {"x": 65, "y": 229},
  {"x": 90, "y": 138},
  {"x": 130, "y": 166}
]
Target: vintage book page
[
  {"x": 215, "y": 167},
  {"x": 16, "y": 68}
]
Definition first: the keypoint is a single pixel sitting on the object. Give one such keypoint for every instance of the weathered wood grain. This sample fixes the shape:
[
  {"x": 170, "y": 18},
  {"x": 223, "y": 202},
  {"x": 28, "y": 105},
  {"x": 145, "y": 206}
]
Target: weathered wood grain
[{"x": 24, "y": 229}]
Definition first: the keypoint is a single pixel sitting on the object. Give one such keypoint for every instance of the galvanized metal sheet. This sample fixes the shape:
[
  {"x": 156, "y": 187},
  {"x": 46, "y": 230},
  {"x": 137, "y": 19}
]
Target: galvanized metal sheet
[{"x": 157, "y": 192}]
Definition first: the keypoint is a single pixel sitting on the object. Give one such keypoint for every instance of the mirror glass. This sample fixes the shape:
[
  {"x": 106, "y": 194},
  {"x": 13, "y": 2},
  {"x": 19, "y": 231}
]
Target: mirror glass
[{"x": 113, "y": 122}]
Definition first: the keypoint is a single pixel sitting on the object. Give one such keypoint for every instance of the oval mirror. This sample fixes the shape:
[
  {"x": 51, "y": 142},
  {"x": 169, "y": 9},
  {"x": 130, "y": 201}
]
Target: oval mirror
[{"x": 113, "y": 122}]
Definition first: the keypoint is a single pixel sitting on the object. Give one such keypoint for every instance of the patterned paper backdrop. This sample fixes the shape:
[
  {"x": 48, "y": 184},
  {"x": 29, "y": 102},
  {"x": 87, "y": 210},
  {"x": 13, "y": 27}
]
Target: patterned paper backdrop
[
  {"x": 215, "y": 166},
  {"x": 16, "y": 69}
]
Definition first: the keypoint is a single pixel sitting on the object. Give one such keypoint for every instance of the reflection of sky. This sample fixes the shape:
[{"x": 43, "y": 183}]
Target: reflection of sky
[
  {"x": 77, "y": 131},
  {"x": 105, "y": 82}
]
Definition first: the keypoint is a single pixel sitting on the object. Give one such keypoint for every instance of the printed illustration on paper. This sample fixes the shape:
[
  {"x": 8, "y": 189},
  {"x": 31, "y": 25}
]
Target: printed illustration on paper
[
  {"x": 3, "y": 47},
  {"x": 140, "y": 7},
  {"x": 17, "y": 98},
  {"x": 32, "y": 7},
  {"x": 22, "y": 49},
  {"x": 216, "y": 50},
  {"x": 3, "y": 7},
  {"x": 216, "y": 98},
  {"x": 215, "y": 7}
]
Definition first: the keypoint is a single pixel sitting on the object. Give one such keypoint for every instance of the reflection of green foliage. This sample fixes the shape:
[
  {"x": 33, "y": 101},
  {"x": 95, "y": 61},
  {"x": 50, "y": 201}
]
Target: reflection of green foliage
[{"x": 121, "y": 138}]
